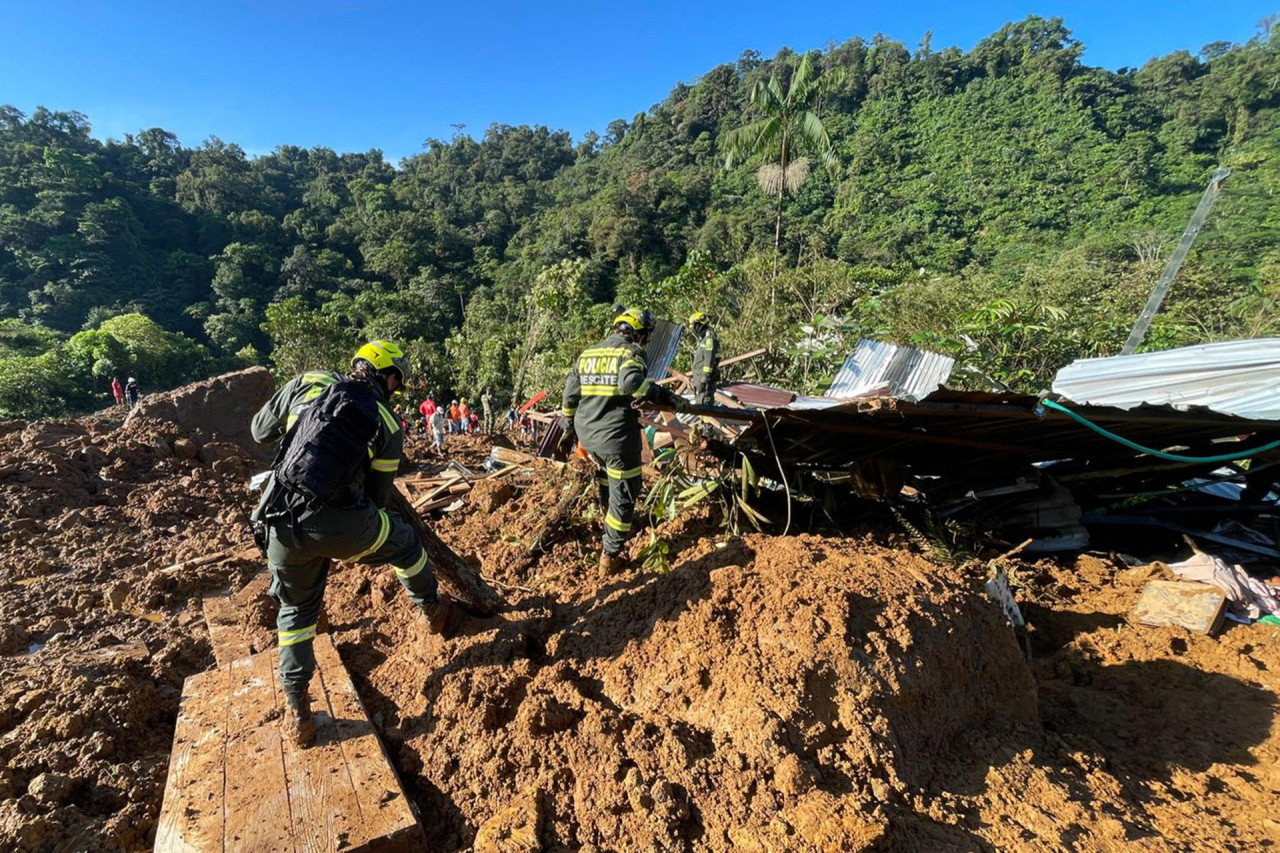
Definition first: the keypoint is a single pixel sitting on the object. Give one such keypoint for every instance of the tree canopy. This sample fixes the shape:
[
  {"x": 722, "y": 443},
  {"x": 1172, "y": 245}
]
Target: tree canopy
[{"x": 1009, "y": 196}]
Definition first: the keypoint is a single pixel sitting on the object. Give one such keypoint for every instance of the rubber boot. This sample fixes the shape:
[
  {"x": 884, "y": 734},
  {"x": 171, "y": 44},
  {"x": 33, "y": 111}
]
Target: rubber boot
[
  {"x": 611, "y": 563},
  {"x": 437, "y": 614},
  {"x": 299, "y": 724}
]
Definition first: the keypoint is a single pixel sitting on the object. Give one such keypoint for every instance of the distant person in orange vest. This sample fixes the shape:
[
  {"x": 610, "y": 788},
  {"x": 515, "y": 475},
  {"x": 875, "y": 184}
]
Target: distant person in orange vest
[{"x": 117, "y": 391}]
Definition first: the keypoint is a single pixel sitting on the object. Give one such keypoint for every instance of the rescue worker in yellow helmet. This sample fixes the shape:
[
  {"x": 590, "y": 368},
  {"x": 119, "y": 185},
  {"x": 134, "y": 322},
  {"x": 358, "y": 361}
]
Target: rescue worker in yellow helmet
[
  {"x": 705, "y": 375},
  {"x": 325, "y": 501},
  {"x": 600, "y": 394}
]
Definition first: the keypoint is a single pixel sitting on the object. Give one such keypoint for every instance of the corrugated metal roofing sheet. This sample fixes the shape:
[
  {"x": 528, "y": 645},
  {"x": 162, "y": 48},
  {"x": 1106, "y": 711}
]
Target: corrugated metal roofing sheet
[
  {"x": 948, "y": 434},
  {"x": 758, "y": 396},
  {"x": 1233, "y": 377},
  {"x": 875, "y": 368},
  {"x": 663, "y": 345}
]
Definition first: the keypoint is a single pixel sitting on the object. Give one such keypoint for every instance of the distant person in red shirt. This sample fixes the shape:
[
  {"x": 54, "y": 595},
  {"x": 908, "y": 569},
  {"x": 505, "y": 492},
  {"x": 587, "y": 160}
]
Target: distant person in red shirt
[
  {"x": 427, "y": 409},
  {"x": 117, "y": 391}
]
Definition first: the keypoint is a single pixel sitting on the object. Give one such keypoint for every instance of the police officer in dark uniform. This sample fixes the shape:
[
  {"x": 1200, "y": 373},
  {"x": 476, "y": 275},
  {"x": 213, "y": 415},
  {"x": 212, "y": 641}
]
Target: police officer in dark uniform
[
  {"x": 705, "y": 375},
  {"x": 303, "y": 537},
  {"x": 599, "y": 393}
]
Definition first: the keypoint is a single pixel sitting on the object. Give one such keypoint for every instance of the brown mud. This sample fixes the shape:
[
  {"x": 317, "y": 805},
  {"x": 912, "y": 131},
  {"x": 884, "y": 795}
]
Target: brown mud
[{"x": 757, "y": 693}]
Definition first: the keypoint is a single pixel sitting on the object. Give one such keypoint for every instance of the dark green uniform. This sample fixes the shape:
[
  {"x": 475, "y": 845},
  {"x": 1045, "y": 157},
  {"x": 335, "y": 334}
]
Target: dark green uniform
[
  {"x": 301, "y": 548},
  {"x": 598, "y": 395},
  {"x": 706, "y": 368}
]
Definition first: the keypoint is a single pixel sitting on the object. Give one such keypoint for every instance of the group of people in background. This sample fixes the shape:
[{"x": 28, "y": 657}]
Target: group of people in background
[
  {"x": 457, "y": 417},
  {"x": 126, "y": 395}
]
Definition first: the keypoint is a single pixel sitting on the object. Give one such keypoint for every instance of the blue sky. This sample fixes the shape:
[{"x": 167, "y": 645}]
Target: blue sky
[{"x": 361, "y": 75}]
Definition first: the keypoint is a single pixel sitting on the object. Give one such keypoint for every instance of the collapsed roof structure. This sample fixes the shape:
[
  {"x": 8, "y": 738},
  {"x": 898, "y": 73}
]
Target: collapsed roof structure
[{"x": 1118, "y": 437}]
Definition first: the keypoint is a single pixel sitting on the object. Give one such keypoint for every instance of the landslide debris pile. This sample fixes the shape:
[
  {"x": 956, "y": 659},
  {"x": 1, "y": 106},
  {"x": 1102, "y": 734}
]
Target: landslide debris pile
[
  {"x": 97, "y": 630},
  {"x": 801, "y": 693},
  {"x": 758, "y": 693}
]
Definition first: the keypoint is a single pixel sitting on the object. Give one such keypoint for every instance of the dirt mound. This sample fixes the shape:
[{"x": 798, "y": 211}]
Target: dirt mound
[
  {"x": 99, "y": 622},
  {"x": 753, "y": 693},
  {"x": 805, "y": 693},
  {"x": 222, "y": 405},
  {"x": 765, "y": 693}
]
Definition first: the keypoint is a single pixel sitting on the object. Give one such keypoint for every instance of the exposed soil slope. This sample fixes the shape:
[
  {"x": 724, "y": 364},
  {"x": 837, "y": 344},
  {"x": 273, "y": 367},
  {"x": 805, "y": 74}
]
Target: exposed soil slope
[{"x": 766, "y": 693}]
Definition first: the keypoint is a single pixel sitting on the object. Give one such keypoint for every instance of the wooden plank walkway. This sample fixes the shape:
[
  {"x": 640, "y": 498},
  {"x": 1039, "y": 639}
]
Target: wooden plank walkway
[
  {"x": 235, "y": 784},
  {"x": 229, "y": 644}
]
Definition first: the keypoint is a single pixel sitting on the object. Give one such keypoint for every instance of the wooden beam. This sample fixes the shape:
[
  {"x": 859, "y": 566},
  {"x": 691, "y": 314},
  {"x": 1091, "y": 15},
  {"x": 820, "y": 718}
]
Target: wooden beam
[
  {"x": 386, "y": 814},
  {"x": 229, "y": 644},
  {"x": 256, "y": 798},
  {"x": 236, "y": 784},
  {"x": 746, "y": 356},
  {"x": 454, "y": 574},
  {"x": 191, "y": 816}
]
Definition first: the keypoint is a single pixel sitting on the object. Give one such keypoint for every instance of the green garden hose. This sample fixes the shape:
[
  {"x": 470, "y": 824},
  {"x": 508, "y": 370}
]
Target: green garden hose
[{"x": 1173, "y": 457}]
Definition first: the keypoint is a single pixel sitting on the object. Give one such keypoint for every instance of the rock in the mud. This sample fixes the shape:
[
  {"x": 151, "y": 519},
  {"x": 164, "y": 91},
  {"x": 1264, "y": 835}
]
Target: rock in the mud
[
  {"x": 13, "y": 636},
  {"x": 829, "y": 823},
  {"x": 233, "y": 466},
  {"x": 115, "y": 595},
  {"x": 515, "y": 829},
  {"x": 217, "y": 451},
  {"x": 793, "y": 776},
  {"x": 49, "y": 788},
  {"x": 185, "y": 448}
]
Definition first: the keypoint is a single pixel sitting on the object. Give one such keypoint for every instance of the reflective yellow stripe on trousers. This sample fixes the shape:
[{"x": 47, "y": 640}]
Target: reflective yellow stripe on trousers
[
  {"x": 415, "y": 568},
  {"x": 383, "y": 532},
  {"x": 620, "y": 526},
  {"x": 625, "y": 473},
  {"x": 292, "y": 638}
]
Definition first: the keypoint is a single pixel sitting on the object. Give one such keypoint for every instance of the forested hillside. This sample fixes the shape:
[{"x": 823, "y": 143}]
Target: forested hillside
[{"x": 1010, "y": 204}]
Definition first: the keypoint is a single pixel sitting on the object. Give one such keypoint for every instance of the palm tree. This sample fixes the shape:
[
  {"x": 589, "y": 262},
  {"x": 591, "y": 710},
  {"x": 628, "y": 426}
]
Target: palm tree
[{"x": 790, "y": 123}]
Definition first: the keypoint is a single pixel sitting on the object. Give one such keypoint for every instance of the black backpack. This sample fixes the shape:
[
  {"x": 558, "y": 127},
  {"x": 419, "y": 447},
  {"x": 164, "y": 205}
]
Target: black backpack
[{"x": 324, "y": 457}]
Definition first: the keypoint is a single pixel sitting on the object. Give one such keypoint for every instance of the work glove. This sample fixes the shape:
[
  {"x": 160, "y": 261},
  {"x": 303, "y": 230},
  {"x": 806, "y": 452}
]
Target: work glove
[
  {"x": 680, "y": 405},
  {"x": 568, "y": 440}
]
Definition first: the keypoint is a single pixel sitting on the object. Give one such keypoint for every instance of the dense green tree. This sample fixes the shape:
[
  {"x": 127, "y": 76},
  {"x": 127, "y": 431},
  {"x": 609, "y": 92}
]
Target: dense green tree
[
  {"x": 789, "y": 126},
  {"x": 984, "y": 196}
]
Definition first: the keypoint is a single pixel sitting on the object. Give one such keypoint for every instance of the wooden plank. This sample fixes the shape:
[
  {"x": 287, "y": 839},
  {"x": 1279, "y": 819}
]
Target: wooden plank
[
  {"x": 224, "y": 630},
  {"x": 456, "y": 487},
  {"x": 323, "y": 802},
  {"x": 383, "y": 804},
  {"x": 235, "y": 784},
  {"x": 512, "y": 457},
  {"x": 191, "y": 816},
  {"x": 257, "y": 799},
  {"x": 744, "y": 357},
  {"x": 1195, "y": 606}
]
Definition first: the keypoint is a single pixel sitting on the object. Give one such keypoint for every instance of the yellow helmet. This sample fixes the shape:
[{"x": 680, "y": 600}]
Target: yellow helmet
[
  {"x": 639, "y": 319},
  {"x": 697, "y": 317},
  {"x": 383, "y": 355}
]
